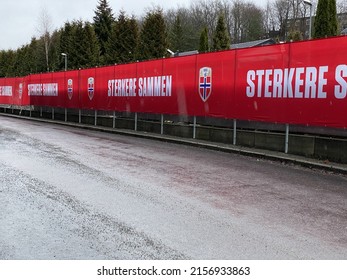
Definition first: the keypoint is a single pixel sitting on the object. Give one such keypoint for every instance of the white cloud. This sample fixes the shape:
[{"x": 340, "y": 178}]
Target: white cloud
[{"x": 19, "y": 19}]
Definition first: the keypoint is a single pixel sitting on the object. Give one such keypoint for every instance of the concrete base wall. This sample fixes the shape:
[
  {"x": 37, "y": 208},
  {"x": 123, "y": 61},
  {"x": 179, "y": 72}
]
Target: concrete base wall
[{"x": 332, "y": 148}]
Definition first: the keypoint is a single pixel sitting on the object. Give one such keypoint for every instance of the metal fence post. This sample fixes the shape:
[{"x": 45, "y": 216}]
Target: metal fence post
[
  {"x": 96, "y": 117},
  {"x": 287, "y": 139},
  {"x": 52, "y": 113},
  {"x": 194, "y": 128},
  {"x": 135, "y": 122},
  {"x": 79, "y": 116},
  {"x": 65, "y": 115},
  {"x": 162, "y": 124},
  {"x": 234, "y": 132},
  {"x": 114, "y": 120}
]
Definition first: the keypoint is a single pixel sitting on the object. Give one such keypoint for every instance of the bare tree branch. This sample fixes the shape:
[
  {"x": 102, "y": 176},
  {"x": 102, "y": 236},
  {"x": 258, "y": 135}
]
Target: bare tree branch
[{"x": 44, "y": 29}]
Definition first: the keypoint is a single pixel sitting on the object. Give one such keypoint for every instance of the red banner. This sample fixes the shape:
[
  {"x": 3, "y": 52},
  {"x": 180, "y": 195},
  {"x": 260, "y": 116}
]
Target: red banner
[
  {"x": 12, "y": 91},
  {"x": 303, "y": 83},
  {"x": 296, "y": 83}
]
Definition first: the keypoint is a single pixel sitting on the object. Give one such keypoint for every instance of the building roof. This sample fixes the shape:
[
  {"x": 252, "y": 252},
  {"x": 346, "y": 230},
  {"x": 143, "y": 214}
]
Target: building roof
[
  {"x": 186, "y": 53},
  {"x": 257, "y": 43}
]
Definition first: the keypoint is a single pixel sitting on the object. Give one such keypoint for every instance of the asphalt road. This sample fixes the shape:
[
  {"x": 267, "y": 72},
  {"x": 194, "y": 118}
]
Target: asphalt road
[{"x": 68, "y": 193}]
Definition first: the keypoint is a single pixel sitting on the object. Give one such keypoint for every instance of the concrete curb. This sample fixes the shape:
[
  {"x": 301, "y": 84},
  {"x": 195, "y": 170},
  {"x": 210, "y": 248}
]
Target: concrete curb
[{"x": 228, "y": 148}]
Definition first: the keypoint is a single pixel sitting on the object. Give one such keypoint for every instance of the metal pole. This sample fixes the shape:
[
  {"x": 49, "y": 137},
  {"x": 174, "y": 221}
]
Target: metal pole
[
  {"x": 95, "y": 117},
  {"x": 79, "y": 116},
  {"x": 234, "y": 132},
  {"x": 135, "y": 122},
  {"x": 287, "y": 139},
  {"x": 65, "y": 115},
  {"x": 310, "y": 29},
  {"x": 309, "y": 3},
  {"x": 52, "y": 113},
  {"x": 65, "y": 57},
  {"x": 40, "y": 111},
  {"x": 162, "y": 124},
  {"x": 114, "y": 120},
  {"x": 194, "y": 128}
]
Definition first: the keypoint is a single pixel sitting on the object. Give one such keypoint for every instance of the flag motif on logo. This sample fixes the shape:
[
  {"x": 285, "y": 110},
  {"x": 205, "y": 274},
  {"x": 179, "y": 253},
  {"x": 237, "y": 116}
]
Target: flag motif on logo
[
  {"x": 70, "y": 88},
  {"x": 20, "y": 91},
  {"x": 205, "y": 83},
  {"x": 91, "y": 87}
]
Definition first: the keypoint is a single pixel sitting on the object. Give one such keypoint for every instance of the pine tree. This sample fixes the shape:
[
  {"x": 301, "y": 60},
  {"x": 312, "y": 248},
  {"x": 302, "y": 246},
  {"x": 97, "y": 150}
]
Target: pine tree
[
  {"x": 153, "y": 37},
  {"x": 34, "y": 56},
  {"x": 295, "y": 36},
  {"x": 322, "y": 19},
  {"x": 333, "y": 17},
  {"x": 66, "y": 43},
  {"x": 22, "y": 61},
  {"x": 55, "y": 57},
  {"x": 203, "y": 46},
  {"x": 103, "y": 21},
  {"x": 8, "y": 63},
  {"x": 177, "y": 39},
  {"x": 221, "y": 38},
  {"x": 2, "y": 63},
  {"x": 133, "y": 39},
  {"x": 41, "y": 62},
  {"x": 123, "y": 43},
  {"x": 85, "y": 51},
  {"x": 92, "y": 49}
]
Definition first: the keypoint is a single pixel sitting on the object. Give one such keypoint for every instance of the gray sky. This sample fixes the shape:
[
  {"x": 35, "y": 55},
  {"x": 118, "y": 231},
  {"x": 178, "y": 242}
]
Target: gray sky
[{"x": 19, "y": 19}]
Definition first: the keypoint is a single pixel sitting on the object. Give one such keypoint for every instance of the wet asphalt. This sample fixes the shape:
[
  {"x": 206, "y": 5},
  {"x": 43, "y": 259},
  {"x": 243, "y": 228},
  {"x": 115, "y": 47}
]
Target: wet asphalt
[{"x": 68, "y": 193}]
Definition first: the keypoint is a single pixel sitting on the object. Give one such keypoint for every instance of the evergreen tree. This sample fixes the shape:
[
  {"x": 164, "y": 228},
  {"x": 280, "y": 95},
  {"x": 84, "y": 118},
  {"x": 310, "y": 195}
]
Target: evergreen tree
[
  {"x": 38, "y": 49},
  {"x": 92, "y": 49},
  {"x": 122, "y": 46},
  {"x": 76, "y": 55},
  {"x": 153, "y": 37},
  {"x": 184, "y": 31},
  {"x": 295, "y": 36},
  {"x": 333, "y": 17},
  {"x": 85, "y": 51},
  {"x": 133, "y": 39},
  {"x": 322, "y": 19},
  {"x": 203, "y": 46},
  {"x": 66, "y": 44},
  {"x": 21, "y": 63},
  {"x": 55, "y": 53},
  {"x": 177, "y": 40},
  {"x": 35, "y": 63},
  {"x": 254, "y": 23},
  {"x": 111, "y": 54},
  {"x": 2, "y": 63},
  {"x": 221, "y": 38},
  {"x": 103, "y": 21},
  {"x": 7, "y": 63}
]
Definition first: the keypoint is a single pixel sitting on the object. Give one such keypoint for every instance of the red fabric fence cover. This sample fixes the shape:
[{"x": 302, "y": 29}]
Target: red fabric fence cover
[
  {"x": 296, "y": 83},
  {"x": 12, "y": 91}
]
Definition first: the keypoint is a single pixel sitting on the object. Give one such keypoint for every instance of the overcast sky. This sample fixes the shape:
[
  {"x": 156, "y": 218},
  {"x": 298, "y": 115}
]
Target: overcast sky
[{"x": 19, "y": 18}]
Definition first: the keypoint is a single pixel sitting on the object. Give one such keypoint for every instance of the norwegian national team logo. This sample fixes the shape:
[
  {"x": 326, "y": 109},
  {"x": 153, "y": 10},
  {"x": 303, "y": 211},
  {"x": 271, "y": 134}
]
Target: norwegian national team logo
[
  {"x": 20, "y": 91},
  {"x": 91, "y": 87},
  {"x": 70, "y": 88},
  {"x": 205, "y": 83}
]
